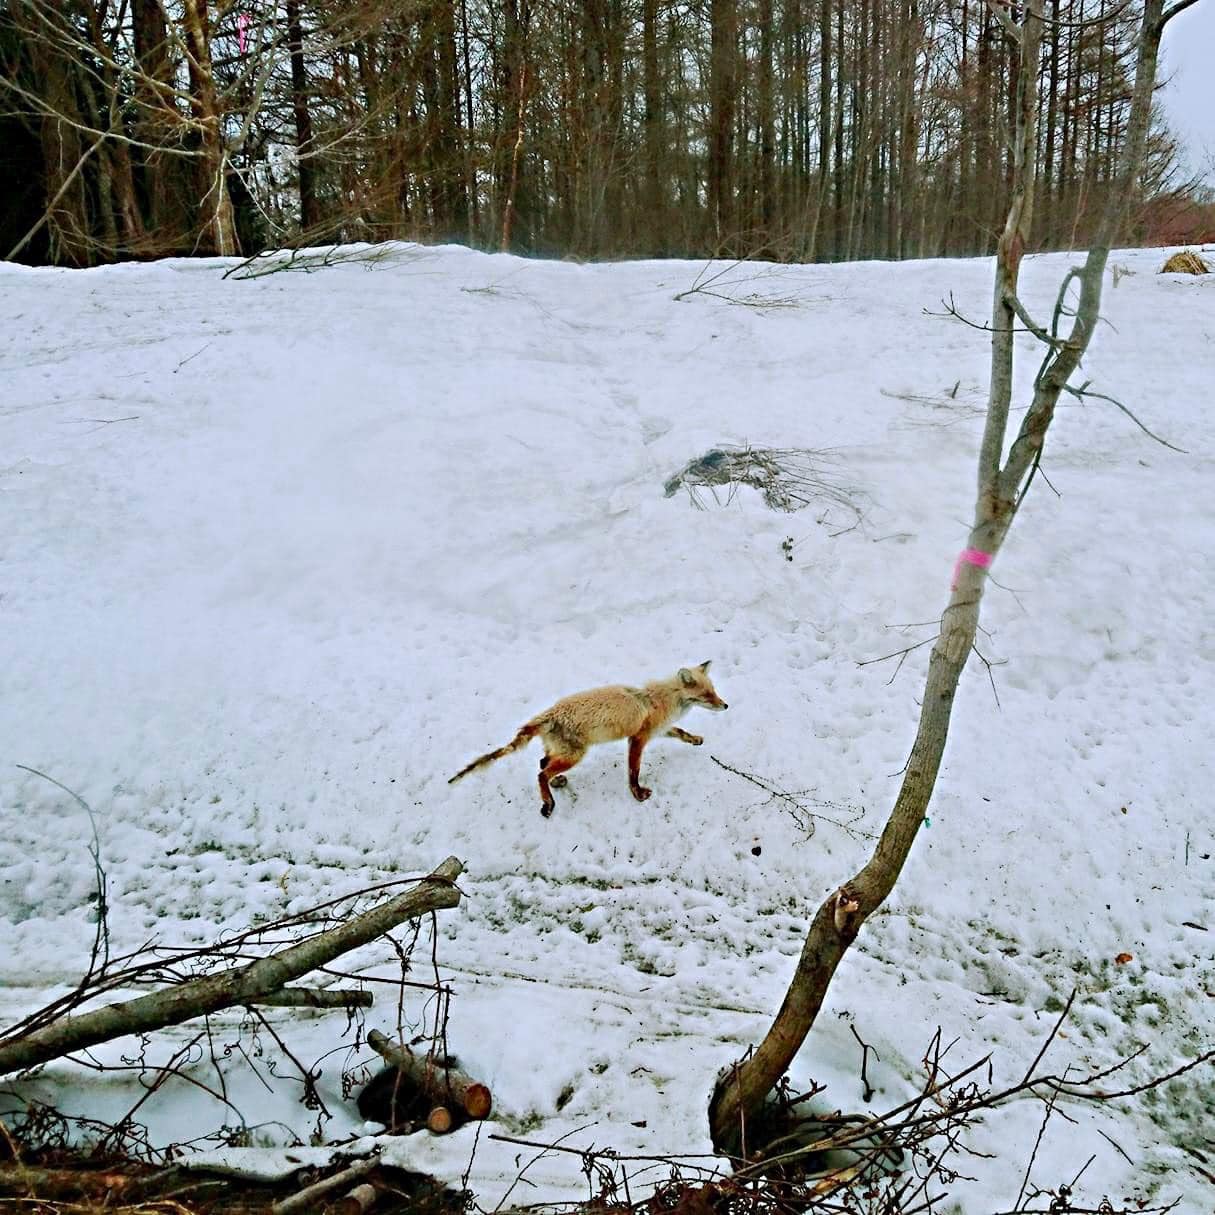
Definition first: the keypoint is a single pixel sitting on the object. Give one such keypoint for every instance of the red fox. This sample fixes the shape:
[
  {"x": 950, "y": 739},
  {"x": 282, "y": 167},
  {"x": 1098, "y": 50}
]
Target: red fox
[{"x": 605, "y": 715}]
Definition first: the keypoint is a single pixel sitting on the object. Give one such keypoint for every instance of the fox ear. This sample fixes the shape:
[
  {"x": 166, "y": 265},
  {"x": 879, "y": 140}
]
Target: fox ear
[
  {"x": 686, "y": 677},
  {"x": 704, "y": 666}
]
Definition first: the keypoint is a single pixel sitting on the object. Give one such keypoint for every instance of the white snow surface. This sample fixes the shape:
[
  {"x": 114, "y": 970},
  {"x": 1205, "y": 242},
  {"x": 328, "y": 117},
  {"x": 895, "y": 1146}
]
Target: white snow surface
[{"x": 281, "y": 555}]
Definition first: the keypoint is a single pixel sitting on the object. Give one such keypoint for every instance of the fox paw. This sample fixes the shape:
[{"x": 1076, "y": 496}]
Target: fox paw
[
  {"x": 547, "y": 809},
  {"x": 696, "y": 740},
  {"x": 641, "y": 793},
  {"x": 558, "y": 782}
]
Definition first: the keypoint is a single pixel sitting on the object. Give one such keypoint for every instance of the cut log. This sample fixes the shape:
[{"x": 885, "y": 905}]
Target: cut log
[
  {"x": 442, "y": 1084},
  {"x": 238, "y": 986},
  {"x": 307, "y": 1198},
  {"x": 439, "y": 1121},
  {"x": 361, "y": 1198}
]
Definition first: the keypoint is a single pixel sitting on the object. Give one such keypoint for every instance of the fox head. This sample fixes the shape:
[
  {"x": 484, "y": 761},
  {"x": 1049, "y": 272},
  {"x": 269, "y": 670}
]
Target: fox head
[{"x": 698, "y": 689}]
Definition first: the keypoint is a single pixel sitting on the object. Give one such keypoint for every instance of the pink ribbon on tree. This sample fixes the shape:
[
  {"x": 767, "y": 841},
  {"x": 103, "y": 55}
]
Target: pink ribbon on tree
[
  {"x": 970, "y": 556},
  {"x": 243, "y": 21}
]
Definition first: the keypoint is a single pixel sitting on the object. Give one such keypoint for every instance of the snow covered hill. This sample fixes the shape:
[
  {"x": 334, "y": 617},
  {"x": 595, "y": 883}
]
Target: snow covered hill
[{"x": 280, "y": 555}]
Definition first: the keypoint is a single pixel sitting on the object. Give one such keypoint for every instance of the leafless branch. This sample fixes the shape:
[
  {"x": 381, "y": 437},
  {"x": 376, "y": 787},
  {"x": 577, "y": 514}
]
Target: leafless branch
[
  {"x": 1083, "y": 393},
  {"x": 803, "y": 814},
  {"x": 101, "y": 936},
  {"x": 236, "y": 986}
]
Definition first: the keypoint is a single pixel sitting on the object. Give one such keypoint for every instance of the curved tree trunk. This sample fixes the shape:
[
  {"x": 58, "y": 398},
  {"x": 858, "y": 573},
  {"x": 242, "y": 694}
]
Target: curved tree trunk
[{"x": 741, "y": 1091}]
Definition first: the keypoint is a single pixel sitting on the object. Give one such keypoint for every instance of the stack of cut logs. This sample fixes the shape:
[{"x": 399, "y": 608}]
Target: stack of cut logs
[{"x": 453, "y": 1095}]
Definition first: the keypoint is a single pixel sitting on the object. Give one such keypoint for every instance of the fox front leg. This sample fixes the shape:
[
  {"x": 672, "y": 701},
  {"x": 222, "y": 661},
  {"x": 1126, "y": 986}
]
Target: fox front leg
[
  {"x": 684, "y": 736},
  {"x": 636, "y": 746}
]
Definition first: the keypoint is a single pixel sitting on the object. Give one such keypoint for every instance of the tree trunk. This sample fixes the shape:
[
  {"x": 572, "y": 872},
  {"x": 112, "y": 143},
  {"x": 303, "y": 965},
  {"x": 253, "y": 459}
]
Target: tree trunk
[
  {"x": 723, "y": 101},
  {"x": 822, "y": 186},
  {"x": 742, "y": 1091},
  {"x": 512, "y": 90},
  {"x": 449, "y": 155},
  {"x": 215, "y": 205},
  {"x": 68, "y": 217},
  {"x": 765, "y": 122},
  {"x": 472, "y": 193},
  {"x": 653, "y": 191},
  {"x": 155, "y": 115},
  {"x": 310, "y": 211}
]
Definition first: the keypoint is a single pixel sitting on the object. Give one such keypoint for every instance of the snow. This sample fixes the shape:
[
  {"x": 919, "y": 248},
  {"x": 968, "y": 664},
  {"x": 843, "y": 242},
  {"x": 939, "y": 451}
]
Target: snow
[{"x": 281, "y": 555}]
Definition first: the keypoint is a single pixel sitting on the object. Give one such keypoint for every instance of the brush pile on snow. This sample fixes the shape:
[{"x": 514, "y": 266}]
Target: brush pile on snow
[{"x": 1185, "y": 262}]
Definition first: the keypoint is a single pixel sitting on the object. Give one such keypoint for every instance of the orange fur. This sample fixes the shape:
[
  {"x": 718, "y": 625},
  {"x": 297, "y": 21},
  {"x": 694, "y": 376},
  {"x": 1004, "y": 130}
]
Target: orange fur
[{"x": 609, "y": 714}]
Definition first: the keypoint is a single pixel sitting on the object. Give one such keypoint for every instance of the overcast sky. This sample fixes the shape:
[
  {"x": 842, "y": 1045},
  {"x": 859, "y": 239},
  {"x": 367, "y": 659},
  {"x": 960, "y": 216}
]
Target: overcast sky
[{"x": 1189, "y": 58}]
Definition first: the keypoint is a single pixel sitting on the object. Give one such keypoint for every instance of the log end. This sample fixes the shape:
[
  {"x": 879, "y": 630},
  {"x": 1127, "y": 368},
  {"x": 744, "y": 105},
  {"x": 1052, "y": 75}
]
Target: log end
[
  {"x": 478, "y": 1101},
  {"x": 361, "y": 1198},
  {"x": 439, "y": 1121}
]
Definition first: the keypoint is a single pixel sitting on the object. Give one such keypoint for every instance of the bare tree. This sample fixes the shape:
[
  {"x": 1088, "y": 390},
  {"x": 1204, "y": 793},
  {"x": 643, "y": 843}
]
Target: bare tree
[
  {"x": 779, "y": 128},
  {"x": 1002, "y": 484}
]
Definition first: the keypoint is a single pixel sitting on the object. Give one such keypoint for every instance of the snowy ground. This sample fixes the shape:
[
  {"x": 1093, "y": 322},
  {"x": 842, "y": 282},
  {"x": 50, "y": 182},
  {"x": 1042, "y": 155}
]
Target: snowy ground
[{"x": 280, "y": 555}]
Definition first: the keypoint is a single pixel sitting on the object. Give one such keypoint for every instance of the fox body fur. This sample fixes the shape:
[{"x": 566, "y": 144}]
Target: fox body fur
[{"x": 607, "y": 715}]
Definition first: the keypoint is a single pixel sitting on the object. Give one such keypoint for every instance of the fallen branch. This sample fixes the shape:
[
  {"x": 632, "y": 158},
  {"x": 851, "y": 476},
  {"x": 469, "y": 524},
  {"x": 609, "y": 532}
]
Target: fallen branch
[
  {"x": 802, "y": 814},
  {"x": 236, "y": 987},
  {"x": 304, "y": 1199},
  {"x": 316, "y": 997}
]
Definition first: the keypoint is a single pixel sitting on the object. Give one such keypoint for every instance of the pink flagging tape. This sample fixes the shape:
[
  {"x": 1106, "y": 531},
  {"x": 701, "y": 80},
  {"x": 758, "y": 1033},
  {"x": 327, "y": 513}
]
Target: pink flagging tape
[
  {"x": 970, "y": 556},
  {"x": 243, "y": 21}
]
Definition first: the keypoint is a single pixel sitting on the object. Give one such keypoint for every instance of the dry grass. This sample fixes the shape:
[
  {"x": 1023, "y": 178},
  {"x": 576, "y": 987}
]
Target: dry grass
[
  {"x": 1185, "y": 262},
  {"x": 789, "y": 479}
]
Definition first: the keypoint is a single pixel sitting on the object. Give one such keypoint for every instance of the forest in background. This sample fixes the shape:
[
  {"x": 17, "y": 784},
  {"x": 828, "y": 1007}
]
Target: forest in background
[{"x": 798, "y": 130}]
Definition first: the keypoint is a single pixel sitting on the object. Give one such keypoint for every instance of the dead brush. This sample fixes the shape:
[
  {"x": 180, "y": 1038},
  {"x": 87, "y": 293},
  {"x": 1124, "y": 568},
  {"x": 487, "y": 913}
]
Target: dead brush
[
  {"x": 789, "y": 478},
  {"x": 1185, "y": 262}
]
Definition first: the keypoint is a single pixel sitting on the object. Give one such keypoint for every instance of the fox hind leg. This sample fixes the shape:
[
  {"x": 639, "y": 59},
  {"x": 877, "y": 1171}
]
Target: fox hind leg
[{"x": 552, "y": 776}]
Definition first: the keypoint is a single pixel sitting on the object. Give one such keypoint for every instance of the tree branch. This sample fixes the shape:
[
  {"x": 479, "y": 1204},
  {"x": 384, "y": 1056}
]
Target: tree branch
[{"x": 239, "y": 986}]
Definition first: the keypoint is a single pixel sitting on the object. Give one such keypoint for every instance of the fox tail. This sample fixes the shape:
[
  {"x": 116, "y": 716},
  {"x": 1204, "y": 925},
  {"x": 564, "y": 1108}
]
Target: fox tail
[{"x": 525, "y": 735}]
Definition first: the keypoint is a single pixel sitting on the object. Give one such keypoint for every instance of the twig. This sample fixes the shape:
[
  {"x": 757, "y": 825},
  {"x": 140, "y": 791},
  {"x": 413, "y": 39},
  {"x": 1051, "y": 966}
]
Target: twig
[
  {"x": 1049, "y": 1109},
  {"x": 867, "y": 1094},
  {"x": 901, "y": 655},
  {"x": 1033, "y": 1067},
  {"x": 1155, "y": 1082},
  {"x": 192, "y": 357},
  {"x": 1084, "y": 392},
  {"x": 792, "y": 801},
  {"x": 951, "y": 309},
  {"x": 101, "y": 935},
  {"x": 1115, "y": 1146},
  {"x": 991, "y": 677}
]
